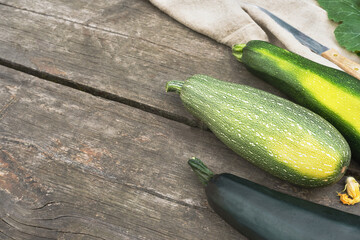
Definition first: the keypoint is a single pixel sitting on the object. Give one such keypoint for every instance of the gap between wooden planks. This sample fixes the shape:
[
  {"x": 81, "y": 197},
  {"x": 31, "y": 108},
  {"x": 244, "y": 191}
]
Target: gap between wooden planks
[{"x": 127, "y": 49}]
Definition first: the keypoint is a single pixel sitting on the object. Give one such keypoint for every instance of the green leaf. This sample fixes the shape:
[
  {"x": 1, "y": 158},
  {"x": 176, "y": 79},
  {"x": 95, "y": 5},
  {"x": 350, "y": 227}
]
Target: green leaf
[{"x": 347, "y": 13}]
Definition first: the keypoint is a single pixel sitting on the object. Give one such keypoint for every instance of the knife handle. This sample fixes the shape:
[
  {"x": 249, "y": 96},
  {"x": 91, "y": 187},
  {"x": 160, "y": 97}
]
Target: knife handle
[{"x": 344, "y": 63}]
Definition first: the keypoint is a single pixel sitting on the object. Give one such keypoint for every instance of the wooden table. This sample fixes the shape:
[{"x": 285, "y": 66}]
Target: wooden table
[{"x": 91, "y": 145}]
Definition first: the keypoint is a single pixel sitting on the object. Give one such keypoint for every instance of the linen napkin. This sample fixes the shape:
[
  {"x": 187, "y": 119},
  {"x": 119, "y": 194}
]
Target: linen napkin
[{"x": 238, "y": 21}]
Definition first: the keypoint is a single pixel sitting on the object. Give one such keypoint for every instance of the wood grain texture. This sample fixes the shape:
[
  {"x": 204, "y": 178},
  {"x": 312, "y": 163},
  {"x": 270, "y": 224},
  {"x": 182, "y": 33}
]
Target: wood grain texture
[
  {"x": 344, "y": 63},
  {"x": 126, "y": 48},
  {"x": 74, "y": 166}
]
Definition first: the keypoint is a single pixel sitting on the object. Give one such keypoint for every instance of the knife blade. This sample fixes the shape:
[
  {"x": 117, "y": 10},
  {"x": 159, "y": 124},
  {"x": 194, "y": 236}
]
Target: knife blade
[{"x": 332, "y": 55}]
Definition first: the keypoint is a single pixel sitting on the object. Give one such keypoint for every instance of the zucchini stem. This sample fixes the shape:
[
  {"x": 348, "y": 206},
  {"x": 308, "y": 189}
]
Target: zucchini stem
[
  {"x": 201, "y": 170},
  {"x": 237, "y": 51},
  {"x": 174, "y": 86}
]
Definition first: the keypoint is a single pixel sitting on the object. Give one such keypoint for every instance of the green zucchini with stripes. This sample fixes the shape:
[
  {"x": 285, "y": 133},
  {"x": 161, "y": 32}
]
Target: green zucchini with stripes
[
  {"x": 277, "y": 135},
  {"x": 331, "y": 93}
]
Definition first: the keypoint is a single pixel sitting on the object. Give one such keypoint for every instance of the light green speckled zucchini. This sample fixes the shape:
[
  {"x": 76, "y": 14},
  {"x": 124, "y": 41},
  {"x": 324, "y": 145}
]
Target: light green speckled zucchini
[{"x": 277, "y": 135}]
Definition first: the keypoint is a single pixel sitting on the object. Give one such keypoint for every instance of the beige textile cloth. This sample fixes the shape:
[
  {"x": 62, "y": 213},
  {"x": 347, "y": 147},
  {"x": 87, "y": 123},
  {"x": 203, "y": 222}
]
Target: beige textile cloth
[{"x": 238, "y": 21}]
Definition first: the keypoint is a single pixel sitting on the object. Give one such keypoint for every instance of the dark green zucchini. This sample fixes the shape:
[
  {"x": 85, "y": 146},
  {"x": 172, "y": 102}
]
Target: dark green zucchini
[
  {"x": 331, "y": 93},
  {"x": 262, "y": 213}
]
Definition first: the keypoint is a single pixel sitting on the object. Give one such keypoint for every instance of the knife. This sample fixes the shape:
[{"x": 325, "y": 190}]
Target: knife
[{"x": 332, "y": 55}]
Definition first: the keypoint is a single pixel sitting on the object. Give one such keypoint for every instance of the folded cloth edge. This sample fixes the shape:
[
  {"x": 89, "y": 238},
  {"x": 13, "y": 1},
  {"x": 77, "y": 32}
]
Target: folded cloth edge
[{"x": 254, "y": 24}]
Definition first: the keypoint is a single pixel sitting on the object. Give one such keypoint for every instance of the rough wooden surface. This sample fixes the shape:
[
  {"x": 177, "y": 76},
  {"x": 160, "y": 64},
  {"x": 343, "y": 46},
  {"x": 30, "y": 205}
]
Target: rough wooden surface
[
  {"x": 91, "y": 147},
  {"x": 115, "y": 48}
]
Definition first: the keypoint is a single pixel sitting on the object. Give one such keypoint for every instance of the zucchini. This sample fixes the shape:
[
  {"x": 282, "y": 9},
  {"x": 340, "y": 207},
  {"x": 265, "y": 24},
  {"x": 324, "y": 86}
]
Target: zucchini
[
  {"x": 262, "y": 213},
  {"x": 331, "y": 93},
  {"x": 277, "y": 135}
]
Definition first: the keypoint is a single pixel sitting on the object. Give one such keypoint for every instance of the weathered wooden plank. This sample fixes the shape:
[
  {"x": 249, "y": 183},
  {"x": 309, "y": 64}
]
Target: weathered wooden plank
[
  {"x": 73, "y": 166},
  {"x": 126, "y": 48},
  {"x": 77, "y": 167}
]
